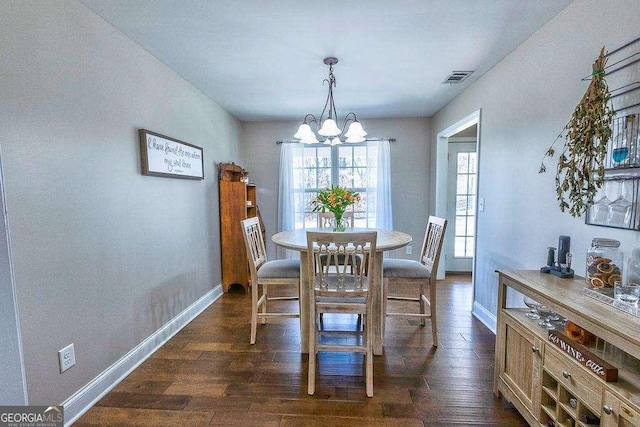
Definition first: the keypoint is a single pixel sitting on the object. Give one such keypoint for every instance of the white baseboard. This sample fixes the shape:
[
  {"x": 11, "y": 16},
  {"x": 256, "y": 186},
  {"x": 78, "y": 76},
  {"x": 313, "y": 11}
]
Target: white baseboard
[
  {"x": 82, "y": 400},
  {"x": 485, "y": 316}
]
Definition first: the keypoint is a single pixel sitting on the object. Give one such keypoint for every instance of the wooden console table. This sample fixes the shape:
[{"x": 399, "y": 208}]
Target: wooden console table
[{"x": 545, "y": 384}]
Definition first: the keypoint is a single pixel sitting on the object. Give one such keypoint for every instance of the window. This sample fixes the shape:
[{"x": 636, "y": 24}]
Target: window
[
  {"x": 465, "y": 204},
  {"x": 306, "y": 169}
]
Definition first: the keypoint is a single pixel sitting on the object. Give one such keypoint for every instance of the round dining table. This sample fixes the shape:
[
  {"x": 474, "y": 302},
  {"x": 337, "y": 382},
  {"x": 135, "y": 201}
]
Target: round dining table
[{"x": 387, "y": 240}]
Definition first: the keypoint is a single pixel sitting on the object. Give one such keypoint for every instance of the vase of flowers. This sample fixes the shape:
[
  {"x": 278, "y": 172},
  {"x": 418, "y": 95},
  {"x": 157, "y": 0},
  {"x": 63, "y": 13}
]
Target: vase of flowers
[{"x": 335, "y": 200}]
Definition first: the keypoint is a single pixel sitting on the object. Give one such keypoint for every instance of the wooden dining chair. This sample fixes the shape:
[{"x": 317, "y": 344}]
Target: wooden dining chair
[
  {"x": 325, "y": 219},
  {"x": 335, "y": 287},
  {"x": 267, "y": 274},
  {"x": 420, "y": 273}
]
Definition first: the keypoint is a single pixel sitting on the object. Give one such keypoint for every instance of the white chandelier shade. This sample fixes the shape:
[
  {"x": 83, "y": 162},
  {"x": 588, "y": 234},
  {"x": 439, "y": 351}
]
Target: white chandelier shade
[
  {"x": 329, "y": 128},
  {"x": 355, "y": 131},
  {"x": 306, "y": 135},
  {"x": 304, "y": 132}
]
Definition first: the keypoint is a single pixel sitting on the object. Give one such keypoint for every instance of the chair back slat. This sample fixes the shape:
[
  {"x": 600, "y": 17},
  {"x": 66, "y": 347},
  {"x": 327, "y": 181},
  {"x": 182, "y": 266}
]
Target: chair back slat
[
  {"x": 331, "y": 260},
  {"x": 325, "y": 219},
  {"x": 432, "y": 245},
  {"x": 256, "y": 252}
]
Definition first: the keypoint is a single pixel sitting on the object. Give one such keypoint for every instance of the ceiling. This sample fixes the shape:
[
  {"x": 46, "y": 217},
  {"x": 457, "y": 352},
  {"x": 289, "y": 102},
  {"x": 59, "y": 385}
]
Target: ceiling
[{"x": 262, "y": 60}]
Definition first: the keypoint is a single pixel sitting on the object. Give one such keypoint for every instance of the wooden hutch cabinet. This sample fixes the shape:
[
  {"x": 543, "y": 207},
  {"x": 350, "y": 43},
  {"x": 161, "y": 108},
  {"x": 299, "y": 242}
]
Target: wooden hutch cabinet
[
  {"x": 550, "y": 385},
  {"x": 237, "y": 202}
]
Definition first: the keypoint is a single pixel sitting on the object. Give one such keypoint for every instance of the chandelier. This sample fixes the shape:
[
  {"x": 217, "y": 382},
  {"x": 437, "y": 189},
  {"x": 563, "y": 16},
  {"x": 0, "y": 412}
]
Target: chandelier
[{"x": 329, "y": 128}]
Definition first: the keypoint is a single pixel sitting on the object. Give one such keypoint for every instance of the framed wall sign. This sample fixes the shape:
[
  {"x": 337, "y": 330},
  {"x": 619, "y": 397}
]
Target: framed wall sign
[{"x": 168, "y": 157}]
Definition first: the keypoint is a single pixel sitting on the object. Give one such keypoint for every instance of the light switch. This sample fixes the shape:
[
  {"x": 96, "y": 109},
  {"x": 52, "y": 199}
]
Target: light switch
[{"x": 481, "y": 204}]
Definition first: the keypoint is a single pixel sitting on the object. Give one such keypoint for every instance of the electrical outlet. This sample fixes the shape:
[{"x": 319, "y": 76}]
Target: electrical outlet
[
  {"x": 67, "y": 357},
  {"x": 409, "y": 250}
]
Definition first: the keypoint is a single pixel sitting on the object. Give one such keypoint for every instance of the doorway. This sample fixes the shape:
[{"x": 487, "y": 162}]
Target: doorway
[
  {"x": 461, "y": 202},
  {"x": 462, "y": 219}
]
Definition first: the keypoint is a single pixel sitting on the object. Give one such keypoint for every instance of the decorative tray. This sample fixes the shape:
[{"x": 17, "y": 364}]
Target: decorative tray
[{"x": 605, "y": 295}]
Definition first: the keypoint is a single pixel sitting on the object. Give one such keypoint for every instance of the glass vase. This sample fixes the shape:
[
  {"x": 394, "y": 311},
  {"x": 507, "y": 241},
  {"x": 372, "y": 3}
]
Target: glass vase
[{"x": 339, "y": 223}]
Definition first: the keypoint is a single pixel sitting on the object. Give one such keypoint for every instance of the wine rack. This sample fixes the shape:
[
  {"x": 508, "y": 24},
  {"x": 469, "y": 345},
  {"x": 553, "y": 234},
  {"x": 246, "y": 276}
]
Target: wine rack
[
  {"x": 561, "y": 406},
  {"x": 621, "y": 189},
  {"x": 617, "y": 204}
]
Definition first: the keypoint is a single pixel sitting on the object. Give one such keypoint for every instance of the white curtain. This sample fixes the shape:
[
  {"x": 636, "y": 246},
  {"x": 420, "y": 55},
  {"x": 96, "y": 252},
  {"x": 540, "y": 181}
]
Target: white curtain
[
  {"x": 380, "y": 184},
  {"x": 291, "y": 198},
  {"x": 288, "y": 194}
]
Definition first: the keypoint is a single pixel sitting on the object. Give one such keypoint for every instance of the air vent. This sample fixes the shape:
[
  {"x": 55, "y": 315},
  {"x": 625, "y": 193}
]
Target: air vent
[{"x": 457, "y": 77}]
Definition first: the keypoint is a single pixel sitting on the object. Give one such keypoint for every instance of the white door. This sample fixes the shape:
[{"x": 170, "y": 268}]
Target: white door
[{"x": 461, "y": 203}]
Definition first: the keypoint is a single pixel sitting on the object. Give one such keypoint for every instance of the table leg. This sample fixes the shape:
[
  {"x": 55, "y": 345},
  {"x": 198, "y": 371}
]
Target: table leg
[{"x": 304, "y": 303}]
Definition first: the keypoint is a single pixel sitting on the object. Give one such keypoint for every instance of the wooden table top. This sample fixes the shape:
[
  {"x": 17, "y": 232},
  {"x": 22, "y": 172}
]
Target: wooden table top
[
  {"x": 567, "y": 298},
  {"x": 297, "y": 239}
]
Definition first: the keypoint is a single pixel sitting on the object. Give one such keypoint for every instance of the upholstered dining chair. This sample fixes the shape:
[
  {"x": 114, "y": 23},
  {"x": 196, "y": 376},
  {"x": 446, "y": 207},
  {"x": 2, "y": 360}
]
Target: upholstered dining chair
[
  {"x": 420, "y": 273},
  {"x": 266, "y": 274},
  {"x": 335, "y": 287}
]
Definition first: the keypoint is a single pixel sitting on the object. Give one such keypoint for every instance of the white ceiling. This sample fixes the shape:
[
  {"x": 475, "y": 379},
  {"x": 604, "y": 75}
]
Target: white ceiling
[{"x": 262, "y": 59}]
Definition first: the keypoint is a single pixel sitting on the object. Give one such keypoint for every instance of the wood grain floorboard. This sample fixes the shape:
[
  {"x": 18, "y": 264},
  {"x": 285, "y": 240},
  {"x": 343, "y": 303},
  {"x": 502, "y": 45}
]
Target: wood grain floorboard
[
  {"x": 144, "y": 401},
  {"x": 209, "y": 374},
  {"x": 104, "y": 416},
  {"x": 336, "y": 421},
  {"x": 247, "y": 419}
]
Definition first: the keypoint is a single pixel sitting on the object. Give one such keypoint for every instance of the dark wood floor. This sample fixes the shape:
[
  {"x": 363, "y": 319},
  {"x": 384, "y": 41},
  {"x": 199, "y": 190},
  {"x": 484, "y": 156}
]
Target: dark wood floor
[{"x": 209, "y": 374}]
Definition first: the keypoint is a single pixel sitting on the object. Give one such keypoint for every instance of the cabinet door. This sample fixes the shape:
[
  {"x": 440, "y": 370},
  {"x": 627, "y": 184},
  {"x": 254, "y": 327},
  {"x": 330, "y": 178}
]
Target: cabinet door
[
  {"x": 520, "y": 364},
  {"x": 617, "y": 413},
  {"x": 233, "y": 209}
]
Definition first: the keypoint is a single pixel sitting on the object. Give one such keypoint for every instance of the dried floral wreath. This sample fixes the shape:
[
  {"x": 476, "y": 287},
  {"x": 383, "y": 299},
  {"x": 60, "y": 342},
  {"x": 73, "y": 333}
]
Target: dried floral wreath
[{"x": 580, "y": 170}]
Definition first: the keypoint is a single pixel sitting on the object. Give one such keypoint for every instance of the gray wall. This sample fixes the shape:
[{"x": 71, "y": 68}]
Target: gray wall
[
  {"x": 410, "y": 160},
  {"x": 526, "y": 100},
  {"x": 102, "y": 255},
  {"x": 13, "y": 390}
]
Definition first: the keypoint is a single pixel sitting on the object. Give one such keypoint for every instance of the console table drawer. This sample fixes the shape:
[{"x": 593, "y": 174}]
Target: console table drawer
[
  {"x": 617, "y": 412},
  {"x": 630, "y": 414},
  {"x": 574, "y": 378}
]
